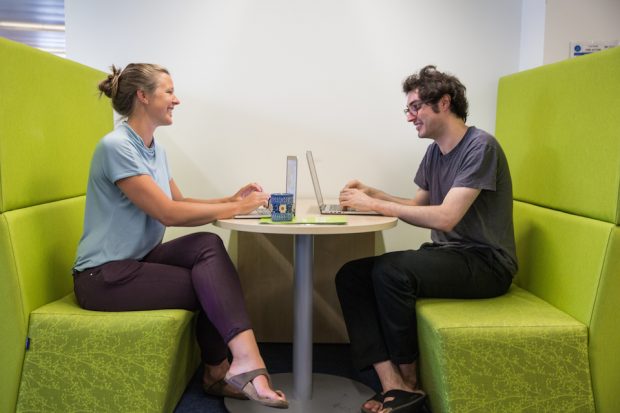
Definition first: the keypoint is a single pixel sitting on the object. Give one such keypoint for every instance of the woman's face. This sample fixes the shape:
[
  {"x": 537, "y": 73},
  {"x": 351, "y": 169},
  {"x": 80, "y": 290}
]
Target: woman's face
[{"x": 162, "y": 100}]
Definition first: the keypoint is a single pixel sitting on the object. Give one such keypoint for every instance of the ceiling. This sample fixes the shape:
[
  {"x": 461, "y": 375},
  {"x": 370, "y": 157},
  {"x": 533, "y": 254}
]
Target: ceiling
[{"x": 45, "y": 19}]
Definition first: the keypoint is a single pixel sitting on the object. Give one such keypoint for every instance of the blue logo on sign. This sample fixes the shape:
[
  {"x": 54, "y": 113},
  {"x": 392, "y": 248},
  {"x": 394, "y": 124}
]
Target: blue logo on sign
[{"x": 577, "y": 48}]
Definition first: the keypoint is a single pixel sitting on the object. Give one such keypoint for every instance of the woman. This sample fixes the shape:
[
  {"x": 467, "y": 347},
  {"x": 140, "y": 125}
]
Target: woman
[{"x": 122, "y": 265}]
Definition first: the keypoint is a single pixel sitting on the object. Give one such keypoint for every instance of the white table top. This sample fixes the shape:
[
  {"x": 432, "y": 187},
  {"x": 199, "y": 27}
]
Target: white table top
[{"x": 309, "y": 208}]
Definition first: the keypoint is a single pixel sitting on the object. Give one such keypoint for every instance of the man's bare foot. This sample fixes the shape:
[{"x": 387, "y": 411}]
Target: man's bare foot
[
  {"x": 409, "y": 373},
  {"x": 373, "y": 404}
]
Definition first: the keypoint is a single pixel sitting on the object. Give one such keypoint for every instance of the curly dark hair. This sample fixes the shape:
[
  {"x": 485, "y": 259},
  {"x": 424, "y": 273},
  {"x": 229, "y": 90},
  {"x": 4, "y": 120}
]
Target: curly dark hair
[{"x": 432, "y": 85}]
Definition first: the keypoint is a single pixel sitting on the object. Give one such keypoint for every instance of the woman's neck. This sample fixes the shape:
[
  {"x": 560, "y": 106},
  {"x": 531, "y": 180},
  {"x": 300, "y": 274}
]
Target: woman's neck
[{"x": 143, "y": 128}]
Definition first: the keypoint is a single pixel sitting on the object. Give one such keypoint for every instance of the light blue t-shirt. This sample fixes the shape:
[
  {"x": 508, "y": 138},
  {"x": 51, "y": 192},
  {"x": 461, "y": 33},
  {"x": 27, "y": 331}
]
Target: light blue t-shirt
[{"x": 114, "y": 228}]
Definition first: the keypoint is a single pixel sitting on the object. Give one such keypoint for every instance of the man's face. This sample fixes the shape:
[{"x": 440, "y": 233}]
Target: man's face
[{"x": 421, "y": 114}]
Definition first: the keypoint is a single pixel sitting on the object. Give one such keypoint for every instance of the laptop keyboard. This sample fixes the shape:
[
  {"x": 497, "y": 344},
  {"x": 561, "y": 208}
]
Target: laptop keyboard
[
  {"x": 333, "y": 208},
  {"x": 261, "y": 211}
]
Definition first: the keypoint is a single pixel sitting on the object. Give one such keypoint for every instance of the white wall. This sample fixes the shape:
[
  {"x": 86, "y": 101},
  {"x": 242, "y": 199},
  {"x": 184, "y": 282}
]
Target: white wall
[
  {"x": 532, "y": 33},
  {"x": 259, "y": 80},
  {"x": 577, "y": 20}
]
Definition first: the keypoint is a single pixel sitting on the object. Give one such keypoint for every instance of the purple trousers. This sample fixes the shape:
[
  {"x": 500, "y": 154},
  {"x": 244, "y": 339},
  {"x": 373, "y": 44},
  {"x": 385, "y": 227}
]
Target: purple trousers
[{"x": 193, "y": 272}]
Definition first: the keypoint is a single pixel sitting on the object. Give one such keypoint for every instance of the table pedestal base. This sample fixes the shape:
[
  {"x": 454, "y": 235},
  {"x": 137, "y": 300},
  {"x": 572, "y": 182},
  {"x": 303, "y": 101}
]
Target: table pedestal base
[{"x": 329, "y": 394}]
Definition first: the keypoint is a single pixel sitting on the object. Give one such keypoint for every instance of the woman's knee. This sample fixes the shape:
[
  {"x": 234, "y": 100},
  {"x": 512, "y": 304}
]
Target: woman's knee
[
  {"x": 209, "y": 241},
  {"x": 207, "y": 238}
]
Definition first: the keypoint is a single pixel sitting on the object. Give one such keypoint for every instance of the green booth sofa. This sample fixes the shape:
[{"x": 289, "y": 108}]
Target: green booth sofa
[
  {"x": 55, "y": 356},
  {"x": 552, "y": 343}
]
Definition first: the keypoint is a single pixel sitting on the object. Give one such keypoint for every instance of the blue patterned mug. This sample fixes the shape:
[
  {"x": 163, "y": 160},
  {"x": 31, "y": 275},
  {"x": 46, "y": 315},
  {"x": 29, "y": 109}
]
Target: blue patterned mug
[{"x": 281, "y": 207}]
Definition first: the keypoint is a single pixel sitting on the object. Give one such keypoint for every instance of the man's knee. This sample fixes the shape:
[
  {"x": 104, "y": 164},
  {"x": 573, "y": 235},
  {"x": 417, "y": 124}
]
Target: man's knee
[
  {"x": 344, "y": 276},
  {"x": 389, "y": 271}
]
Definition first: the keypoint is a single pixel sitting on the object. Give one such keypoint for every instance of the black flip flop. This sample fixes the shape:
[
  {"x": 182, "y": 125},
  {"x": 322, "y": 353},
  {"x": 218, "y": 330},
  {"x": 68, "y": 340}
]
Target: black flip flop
[
  {"x": 403, "y": 401},
  {"x": 378, "y": 397}
]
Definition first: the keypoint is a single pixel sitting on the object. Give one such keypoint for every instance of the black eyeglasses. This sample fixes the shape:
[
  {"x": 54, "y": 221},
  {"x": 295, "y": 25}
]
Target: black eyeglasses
[{"x": 414, "y": 107}]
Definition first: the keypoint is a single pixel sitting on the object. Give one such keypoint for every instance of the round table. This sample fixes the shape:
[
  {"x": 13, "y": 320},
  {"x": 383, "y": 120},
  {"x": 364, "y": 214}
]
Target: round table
[{"x": 333, "y": 391}]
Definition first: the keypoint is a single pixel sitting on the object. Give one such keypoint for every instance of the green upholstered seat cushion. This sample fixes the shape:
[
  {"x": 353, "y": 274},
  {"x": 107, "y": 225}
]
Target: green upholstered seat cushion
[
  {"x": 559, "y": 125},
  {"x": 561, "y": 257},
  {"x": 506, "y": 354},
  {"x": 82, "y": 360},
  {"x": 50, "y": 121}
]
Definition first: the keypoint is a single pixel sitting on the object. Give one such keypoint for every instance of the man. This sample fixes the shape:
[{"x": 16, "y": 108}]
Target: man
[{"x": 465, "y": 197}]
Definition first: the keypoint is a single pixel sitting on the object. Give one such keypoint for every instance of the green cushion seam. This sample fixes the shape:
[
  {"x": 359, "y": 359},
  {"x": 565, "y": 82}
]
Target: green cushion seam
[
  {"x": 565, "y": 211},
  {"x": 14, "y": 263},
  {"x": 601, "y": 272},
  {"x": 52, "y": 201},
  {"x": 578, "y": 326},
  {"x": 143, "y": 314},
  {"x": 20, "y": 299}
]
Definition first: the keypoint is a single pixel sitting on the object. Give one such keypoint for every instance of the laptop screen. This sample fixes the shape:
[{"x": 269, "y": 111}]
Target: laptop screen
[{"x": 315, "y": 179}]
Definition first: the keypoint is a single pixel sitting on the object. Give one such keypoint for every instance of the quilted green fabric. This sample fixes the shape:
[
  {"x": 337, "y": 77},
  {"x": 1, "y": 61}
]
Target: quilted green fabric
[
  {"x": 514, "y": 353},
  {"x": 92, "y": 361}
]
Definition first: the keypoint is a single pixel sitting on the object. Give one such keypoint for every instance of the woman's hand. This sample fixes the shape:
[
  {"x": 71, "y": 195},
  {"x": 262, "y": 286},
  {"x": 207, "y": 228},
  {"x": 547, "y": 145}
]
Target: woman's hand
[
  {"x": 245, "y": 191},
  {"x": 253, "y": 200}
]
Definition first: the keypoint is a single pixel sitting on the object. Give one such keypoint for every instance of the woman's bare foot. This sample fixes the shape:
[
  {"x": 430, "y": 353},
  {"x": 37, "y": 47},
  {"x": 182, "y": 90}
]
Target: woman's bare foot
[
  {"x": 214, "y": 373},
  {"x": 213, "y": 381},
  {"x": 246, "y": 357},
  {"x": 261, "y": 384}
]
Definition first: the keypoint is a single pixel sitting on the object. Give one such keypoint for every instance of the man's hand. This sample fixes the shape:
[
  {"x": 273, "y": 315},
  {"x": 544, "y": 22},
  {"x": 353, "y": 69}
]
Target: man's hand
[
  {"x": 355, "y": 184},
  {"x": 355, "y": 198}
]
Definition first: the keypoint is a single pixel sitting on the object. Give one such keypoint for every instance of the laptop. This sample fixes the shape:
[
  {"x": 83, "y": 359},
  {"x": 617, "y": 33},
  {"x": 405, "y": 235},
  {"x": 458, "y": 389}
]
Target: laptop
[
  {"x": 291, "y": 187},
  {"x": 291, "y": 178},
  {"x": 329, "y": 209}
]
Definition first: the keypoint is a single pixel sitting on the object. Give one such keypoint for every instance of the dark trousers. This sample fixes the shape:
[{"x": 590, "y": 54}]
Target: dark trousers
[
  {"x": 378, "y": 295},
  {"x": 193, "y": 272}
]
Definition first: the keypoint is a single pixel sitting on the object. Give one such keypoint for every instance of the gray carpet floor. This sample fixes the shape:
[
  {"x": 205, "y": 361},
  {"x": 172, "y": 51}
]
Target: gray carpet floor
[{"x": 327, "y": 358}]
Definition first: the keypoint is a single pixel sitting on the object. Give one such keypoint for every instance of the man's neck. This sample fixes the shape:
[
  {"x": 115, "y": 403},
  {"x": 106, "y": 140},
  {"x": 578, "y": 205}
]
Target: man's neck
[{"x": 451, "y": 136}]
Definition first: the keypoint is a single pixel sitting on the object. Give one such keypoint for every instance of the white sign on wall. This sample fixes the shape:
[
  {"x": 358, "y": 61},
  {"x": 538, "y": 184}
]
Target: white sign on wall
[{"x": 587, "y": 47}]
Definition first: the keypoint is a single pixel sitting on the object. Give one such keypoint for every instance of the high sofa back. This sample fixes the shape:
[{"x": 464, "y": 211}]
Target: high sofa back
[
  {"x": 559, "y": 125},
  {"x": 50, "y": 121},
  {"x": 54, "y": 355}
]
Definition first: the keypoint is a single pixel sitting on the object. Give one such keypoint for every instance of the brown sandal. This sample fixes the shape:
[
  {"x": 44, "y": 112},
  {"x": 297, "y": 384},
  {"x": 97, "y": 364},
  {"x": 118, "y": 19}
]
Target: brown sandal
[
  {"x": 222, "y": 389},
  {"x": 243, "y": 383}
]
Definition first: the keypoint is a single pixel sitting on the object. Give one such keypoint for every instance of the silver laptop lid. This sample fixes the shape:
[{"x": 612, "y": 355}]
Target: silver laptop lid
[
  {"x": 315, "y": 179},
  {"x": 291, "y": 177}
]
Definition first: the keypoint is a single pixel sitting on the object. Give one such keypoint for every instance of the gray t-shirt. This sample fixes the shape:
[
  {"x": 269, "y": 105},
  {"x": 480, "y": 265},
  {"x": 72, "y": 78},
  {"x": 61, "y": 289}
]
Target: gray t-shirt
[
  {"x": 477, "y": 162},
  {"x": 115, "y": 228}
]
